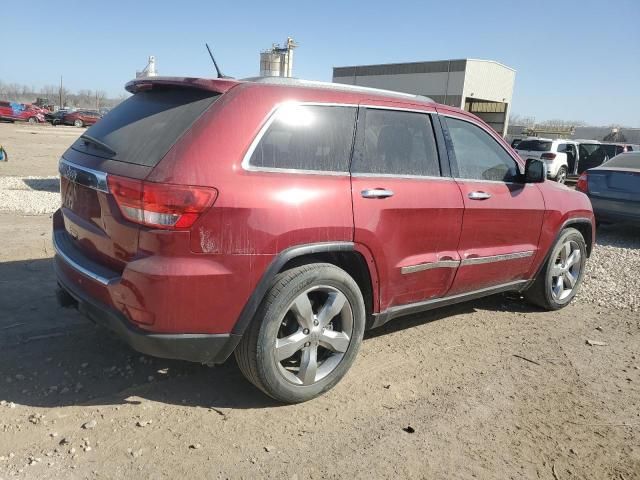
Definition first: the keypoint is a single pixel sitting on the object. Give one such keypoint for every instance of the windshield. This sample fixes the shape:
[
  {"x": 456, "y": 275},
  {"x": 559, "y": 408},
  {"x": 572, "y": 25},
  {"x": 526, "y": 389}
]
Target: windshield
[
  {"x": 143, "y": 128},
  {"x": 535, "y": 145}
]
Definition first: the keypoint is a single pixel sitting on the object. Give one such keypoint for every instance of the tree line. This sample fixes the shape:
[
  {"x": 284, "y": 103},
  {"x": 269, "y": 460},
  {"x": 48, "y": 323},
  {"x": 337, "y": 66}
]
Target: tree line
[{"x": 86, "y": 98}]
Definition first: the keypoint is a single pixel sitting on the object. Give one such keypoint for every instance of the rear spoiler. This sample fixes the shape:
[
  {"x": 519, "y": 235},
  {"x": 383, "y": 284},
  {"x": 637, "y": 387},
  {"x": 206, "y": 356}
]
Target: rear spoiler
[{"x": 219, "y": 85}]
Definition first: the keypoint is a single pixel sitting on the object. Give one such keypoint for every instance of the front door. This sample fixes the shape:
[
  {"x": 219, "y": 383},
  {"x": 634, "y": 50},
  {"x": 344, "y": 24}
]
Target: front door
[
  {"x": 502, "y": 217},
  {"x": 406, "y": 212}
]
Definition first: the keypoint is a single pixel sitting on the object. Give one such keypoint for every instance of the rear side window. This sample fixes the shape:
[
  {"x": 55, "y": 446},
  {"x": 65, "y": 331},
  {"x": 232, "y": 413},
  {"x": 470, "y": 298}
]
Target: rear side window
[
  {"x": 307, "y": 137},
  {"x": 535, "y": 145},
  {"x": 397, "y": 143},
  {"x": 143, "y": 128},
  {"x": 478, "y": 155}
]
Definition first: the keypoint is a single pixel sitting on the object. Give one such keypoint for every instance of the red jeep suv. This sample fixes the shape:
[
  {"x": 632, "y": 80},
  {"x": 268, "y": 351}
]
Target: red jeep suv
[{"x": 279, "y": 219}]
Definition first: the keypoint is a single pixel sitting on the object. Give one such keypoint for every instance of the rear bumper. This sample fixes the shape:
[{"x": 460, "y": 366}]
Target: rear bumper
[
  {"x": 606, "y": 210},
  {"x": 192, "y": 347}
]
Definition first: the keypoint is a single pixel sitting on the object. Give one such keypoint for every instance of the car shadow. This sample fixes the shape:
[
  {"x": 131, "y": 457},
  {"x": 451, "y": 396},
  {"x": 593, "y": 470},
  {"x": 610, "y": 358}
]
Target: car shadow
[
  {"x": 43, "y": 184},
  {"x": 618, "y": 235},
  {"x": 52, "y": 356}
]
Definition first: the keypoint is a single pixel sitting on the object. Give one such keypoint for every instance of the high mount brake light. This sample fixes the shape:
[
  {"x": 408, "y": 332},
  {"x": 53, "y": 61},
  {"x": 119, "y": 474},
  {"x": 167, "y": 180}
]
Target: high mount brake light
[{"x": 160, "y": 205}]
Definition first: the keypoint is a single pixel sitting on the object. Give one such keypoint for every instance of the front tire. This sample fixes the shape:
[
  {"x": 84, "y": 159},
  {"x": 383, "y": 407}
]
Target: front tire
[
  {"x": 32, "y": 120},
  {"x": 305, "y": 335},
  {"x": 559, "y": 280},
  {"x": 78, "y": 123}
]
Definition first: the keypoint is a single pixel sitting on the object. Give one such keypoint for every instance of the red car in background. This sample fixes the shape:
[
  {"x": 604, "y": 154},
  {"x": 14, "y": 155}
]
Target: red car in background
[
  {"x": 78, "y": 118},
  {"x": 13, "y": 111}
]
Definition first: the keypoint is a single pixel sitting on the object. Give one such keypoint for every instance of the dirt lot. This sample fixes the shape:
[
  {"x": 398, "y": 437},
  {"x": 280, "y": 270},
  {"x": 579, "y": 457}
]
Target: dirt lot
[{"x": 488, "y": 389}]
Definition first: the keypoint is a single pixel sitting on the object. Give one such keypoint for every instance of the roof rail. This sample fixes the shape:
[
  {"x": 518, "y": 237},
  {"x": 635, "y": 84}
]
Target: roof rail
[{"x": 296, "y": 82}]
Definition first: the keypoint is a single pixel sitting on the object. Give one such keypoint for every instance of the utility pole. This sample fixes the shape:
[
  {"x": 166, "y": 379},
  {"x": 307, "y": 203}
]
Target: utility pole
[{"x": 60, "y": 91}]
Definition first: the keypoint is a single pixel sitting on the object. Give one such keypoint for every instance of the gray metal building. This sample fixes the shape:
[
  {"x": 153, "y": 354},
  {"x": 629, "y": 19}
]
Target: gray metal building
[{"x": 483, "y": 87}]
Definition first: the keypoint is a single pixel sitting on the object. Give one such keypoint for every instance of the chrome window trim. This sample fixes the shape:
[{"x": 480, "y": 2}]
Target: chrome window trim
[
  {"x": 405, "y": 176},
  {"x": 431, "y": 110},
  {"x": 246, "y": 165},
  {"x": 429, "y": 266},
  {"x": 76, "y": 266},
  {"x": 459, "y": 179},
  {"x": 70, "y": 171},
  {"x": 393, "y": 175},
  {"x": 496, "y": 258},
  {"x": 495, "y": 139}
]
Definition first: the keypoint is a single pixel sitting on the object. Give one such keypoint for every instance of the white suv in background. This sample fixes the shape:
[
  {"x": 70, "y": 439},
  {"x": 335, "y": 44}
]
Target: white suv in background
[{"x": 559, "y": 155}]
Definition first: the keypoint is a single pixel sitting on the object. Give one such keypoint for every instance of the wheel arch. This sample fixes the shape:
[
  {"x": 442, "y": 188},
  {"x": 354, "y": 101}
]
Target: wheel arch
[
  {"x": 583, "y": 225},
  {"x": 344, "y": 255}
]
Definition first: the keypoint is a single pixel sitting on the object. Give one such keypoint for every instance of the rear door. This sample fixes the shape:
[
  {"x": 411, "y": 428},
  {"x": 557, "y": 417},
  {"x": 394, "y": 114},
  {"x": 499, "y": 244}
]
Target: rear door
[
  {"x": 502, "y": 218},
  {"x": 407, "y": 208},
  {"x": 130, "y": 141}
]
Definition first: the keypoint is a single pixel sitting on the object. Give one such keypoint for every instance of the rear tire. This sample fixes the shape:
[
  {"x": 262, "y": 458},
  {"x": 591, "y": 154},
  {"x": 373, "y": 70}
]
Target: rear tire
[
  {"x": 305, "y": 335},
  {"x": 559, "y": 280},
  {"x": 32, "y": 120},
  {"x": 561, "y": 176},
  {"x": 78, "y": 123}
]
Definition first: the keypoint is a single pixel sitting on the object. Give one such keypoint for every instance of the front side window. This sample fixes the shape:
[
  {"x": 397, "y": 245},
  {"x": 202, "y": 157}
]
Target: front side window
[
  {"x": 307, "y": 137},
  {"x": 397, "y": 143},
  {"x": 478, "y": 154}
]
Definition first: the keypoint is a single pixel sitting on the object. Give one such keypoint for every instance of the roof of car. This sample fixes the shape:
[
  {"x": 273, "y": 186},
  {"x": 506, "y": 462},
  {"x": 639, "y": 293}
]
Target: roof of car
[
  {"x": 222, "y": 85},
  {"x": 298, "y": 82}
]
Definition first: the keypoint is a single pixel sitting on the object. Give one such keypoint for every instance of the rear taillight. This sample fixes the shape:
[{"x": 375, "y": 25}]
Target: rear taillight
[
  {"x": 160, "y": 205},
  {"x": 583, "y": 183},
  {"x": 548, "y": 156}
]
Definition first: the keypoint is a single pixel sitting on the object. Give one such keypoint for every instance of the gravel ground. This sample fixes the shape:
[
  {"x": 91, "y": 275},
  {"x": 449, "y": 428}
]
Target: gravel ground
[
  {"x": 612, "y": 272},
  {"x": 29, "y": 195}
]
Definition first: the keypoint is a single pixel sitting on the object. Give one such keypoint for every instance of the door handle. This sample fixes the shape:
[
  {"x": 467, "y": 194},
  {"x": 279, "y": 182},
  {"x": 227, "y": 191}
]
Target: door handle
[
  {"x": 376, "y": 193},
  {"x": 479, "y": 195}
]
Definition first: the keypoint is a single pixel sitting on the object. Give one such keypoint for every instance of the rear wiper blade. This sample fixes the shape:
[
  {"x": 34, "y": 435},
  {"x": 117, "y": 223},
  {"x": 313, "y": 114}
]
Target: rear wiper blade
[{"x": 97, "y": 143}]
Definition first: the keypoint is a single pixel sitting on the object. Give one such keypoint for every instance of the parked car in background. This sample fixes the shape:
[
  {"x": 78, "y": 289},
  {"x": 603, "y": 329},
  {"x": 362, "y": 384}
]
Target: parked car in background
[
  {"x": 591, "y": 153},
  {"x": 614, "y": 189},
  {"x": 515, "y": 142},
  {"x": 202, "y": 218},
  {"x": 55, "y": 118},
  {"x": 613, "y": 149},
  {"x": 80, "y": 118},
  {"x": 13, "y": 111},
  {"x": 559, "y": 155}
]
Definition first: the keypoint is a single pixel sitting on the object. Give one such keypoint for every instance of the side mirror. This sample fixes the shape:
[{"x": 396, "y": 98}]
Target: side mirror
[{"x": 535, "y": 171}]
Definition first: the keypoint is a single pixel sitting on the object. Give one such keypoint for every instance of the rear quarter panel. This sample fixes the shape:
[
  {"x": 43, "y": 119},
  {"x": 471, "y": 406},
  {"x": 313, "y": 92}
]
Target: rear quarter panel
[{"x": 256, "y": 212}]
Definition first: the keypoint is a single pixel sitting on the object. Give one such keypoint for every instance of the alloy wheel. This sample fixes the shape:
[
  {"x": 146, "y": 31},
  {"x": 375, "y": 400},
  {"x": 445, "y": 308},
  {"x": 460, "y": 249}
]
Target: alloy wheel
[
  {"x": 566, "y": 270},
  {"x": 562, "y": 177},
  {"x": 314, "y": 335}
]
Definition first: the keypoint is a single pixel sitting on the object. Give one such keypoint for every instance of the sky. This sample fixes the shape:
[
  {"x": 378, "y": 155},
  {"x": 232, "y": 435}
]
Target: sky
[{"x": 575, "y": 60}]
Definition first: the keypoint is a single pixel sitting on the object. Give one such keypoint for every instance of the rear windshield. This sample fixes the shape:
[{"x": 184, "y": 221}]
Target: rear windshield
[
  {"x": 624, "y": 160},
  {"x": 143, "y": 128},
  {"x": 534, "y": 145}
]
